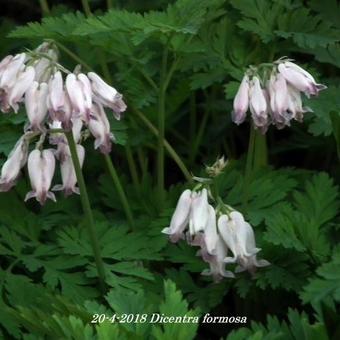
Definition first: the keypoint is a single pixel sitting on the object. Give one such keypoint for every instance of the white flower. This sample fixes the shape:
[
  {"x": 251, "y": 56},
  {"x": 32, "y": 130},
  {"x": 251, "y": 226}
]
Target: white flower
[
  {"x": 4, "y": 63},
  {"x": 99, "y": 127},
  {"x": 41, "y": 165},
  {"x": 36, "y": 105},
  {"x": 278, "y": 93},
  {"x": 241, "y": 102},
  {"x": 9, "y": 70},
  {"x": 210, "y": 231},
  {"x": 56, "y": 95},
  {"x": 106, "y": 95},
  {"x": 217, "y": 264},
  {"x": 300, "y": 79},
  {"x": 199, "y": 212},
  {"x": 258, "y": 103},
  {"x": 68, "y": 173},
  {"x": 23, "y": 82},
  {"x": 16, "y": 160},
  {"x": 295, "y": 104},
  {"x": 80, "y": 95},
  {"x": 180, "y": 217},
  {"x": 240, "y": 239}
]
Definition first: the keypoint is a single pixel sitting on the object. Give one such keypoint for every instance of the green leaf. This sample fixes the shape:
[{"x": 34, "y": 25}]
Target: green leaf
[
  {"x": 320, "y": 203},
  {"x": 175, "y": 306},
  {"x": 326, "y": 284},
  {"x": 335, "y": 117},
  {"x": 307, "y": 31},
  {"x": 327, "y": 102},
  {"x": 50, "y": 27},
  {"x": 298, "y": 328}
]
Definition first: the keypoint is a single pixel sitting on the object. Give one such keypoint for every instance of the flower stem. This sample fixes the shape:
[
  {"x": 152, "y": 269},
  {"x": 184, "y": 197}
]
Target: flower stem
[
  {"x": 45, "y": 9},
  {"x": 86, "y": 8},
  {"x": 249, "y": 166},
  {"x": 166, "y": 144},
  {"x": 87, "y": 210},
  {"x": 73, "y": 55},
  {"x": 161, "y": 127},
  {"x": 260, "y": 151},
  {"x": 120, "y": 190},
  {"x": 132, "y": 166}
]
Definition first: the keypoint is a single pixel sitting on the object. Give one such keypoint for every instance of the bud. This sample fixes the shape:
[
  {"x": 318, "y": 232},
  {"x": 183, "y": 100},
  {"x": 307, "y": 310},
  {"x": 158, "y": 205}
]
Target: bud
[{"x": 217, "y": 168}]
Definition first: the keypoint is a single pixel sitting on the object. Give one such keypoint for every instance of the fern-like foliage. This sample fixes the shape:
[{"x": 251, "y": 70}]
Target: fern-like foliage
[{"x": 298, "y": 327}]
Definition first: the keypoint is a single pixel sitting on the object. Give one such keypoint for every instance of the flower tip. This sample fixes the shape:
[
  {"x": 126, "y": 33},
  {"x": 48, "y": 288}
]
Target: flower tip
[{"x": 166, "y": 231}]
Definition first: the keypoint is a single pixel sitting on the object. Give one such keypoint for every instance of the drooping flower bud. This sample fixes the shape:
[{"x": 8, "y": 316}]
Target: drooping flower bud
[
  {"x": 23, "y": 82},
  {"x": 180, "y": 217},
  {"x": 258, "y": 103},
  {"x": 278, "y": 94},
  {"x": 56, "y": 97},
  {"x": 300, "y": 79},
  {"x": 41, "y": 165},
  {"x": 100, "y": 129},
  {"x": 241, "y": 102},
  {"x": 16, "y": 160},
  {"x": 68, "y": 173},
  {"x": 36, "y": 105},
  {"x": 107, "y": 95},
  {"x": 199, "y": 212},
  {"x": 79, "y": 95}
]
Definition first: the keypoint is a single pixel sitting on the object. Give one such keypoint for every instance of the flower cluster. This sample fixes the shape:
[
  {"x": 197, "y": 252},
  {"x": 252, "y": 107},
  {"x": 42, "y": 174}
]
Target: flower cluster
[
  {"x": 275, "y": 97},
  {"x": 53, "y": 103},
  {"x": 215, "y": 232}
]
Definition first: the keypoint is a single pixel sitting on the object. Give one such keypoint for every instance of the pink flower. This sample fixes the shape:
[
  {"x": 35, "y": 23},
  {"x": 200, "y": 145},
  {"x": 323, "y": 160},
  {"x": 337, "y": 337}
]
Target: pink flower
[
  {"x": 41, "y": 165},
  {"x": 80, "y": 95},
  {"x": 180, "y": 217},
  {"x": 68, "y": 173},
  {"x": 217, "y": 264},
  {"x": 240, "y": 239},
  {"x": 56, "y": 96},
  {"x": 36, "y": 105},
  {"x": 258, "y": 103},
  {"x": 300, "y": 79},
  {"x": 99, "y": 126},
  {"x": 241, "y": 102},
  {"x": 16, "y": 160},
  {"x": 107, "y": 95}
]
